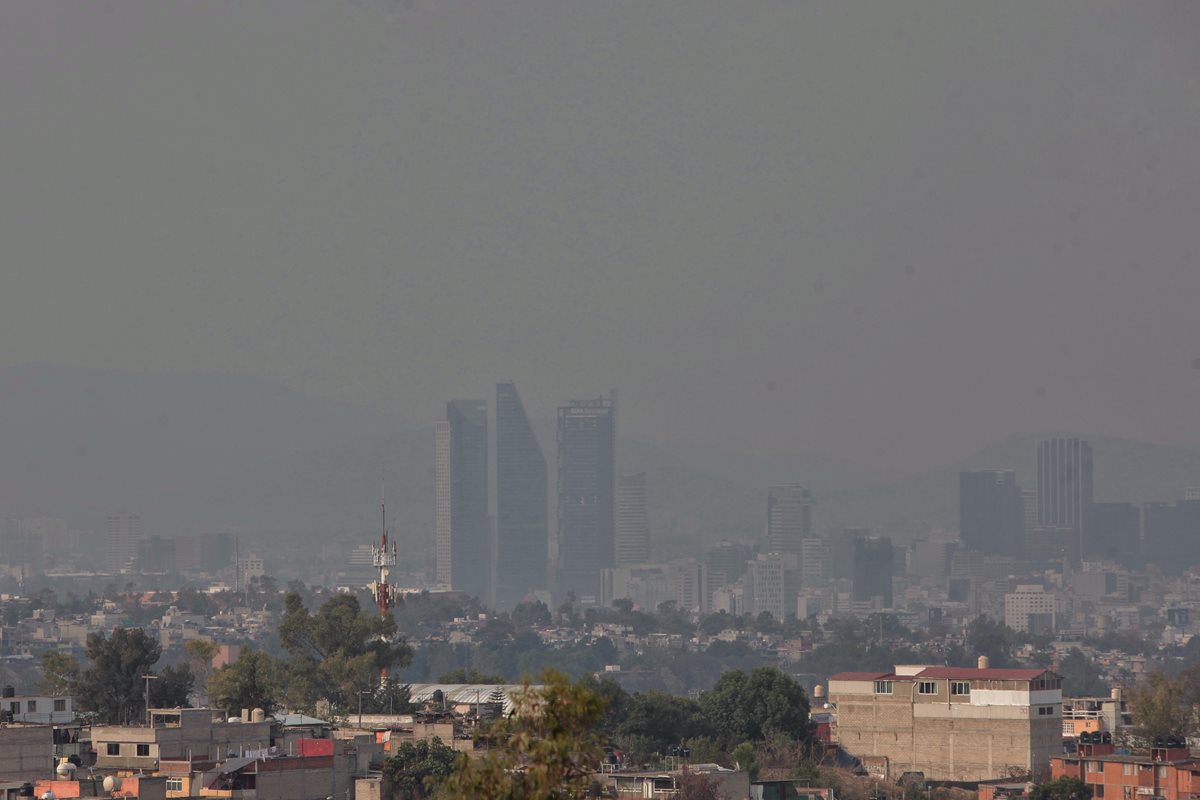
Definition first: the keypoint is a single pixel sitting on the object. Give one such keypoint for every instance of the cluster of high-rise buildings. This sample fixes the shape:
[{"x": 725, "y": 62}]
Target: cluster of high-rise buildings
[
  {"x": 1060, "y": 519},
  {"x": 503, "y": 558}
]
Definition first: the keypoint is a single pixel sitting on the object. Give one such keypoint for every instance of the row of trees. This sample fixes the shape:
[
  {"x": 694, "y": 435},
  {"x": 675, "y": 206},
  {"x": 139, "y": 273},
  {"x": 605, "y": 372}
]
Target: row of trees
[
  {"x": 333, "y": 657},
  {"x": 556, "y": 737},
  {"x": 112, "y": 685}
]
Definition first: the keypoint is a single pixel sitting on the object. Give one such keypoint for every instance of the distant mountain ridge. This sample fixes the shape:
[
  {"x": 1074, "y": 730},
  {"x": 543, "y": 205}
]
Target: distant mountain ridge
[{"x": 198, "y": 452}]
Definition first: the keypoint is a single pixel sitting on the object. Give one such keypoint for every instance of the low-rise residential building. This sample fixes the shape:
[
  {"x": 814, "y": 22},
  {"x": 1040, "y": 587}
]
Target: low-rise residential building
[
  {"x": 37, "y": 709},
  {"x": 25, "y": 751},
  {"x": 1168, "y": 771},
  {"x": 951, "y": 723},
  {"x": 179, "y": 733}
]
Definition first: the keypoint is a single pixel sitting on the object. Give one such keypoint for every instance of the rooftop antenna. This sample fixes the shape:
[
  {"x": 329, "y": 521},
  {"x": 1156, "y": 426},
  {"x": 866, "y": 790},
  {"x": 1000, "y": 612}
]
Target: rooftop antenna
[{"x": 383, "y": 558}]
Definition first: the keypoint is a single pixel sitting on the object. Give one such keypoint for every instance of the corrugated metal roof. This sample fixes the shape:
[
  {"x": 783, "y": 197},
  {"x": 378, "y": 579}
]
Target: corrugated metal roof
[{"x": 457, "y": 693}]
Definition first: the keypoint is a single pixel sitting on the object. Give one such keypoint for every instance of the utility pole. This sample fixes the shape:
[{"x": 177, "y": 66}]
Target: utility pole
[{"x": 147, "y": 678}]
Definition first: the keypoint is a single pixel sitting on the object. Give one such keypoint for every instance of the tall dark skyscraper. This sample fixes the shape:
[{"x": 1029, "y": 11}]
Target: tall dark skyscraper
[
  {"x": 522, "y": 533},
  {"x": 991, "y": 511},
  {"x": 462, "y": 493},
  {"x": 789, "y": 517},
  {"x": 874, "y": 561},
  {"x": 1064, "y": 469},
  {"x": 633, "y": 526},
  {"x": 586, "y": 495}
]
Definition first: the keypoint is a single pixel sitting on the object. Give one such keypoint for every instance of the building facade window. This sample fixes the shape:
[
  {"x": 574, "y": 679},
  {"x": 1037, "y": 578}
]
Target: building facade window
[
  {"x": 927, "y": 687},
  {"x": 113, "y": 749},
  {"x": 1093, "y": 766},
  {"x": 1045, "y": 711},
  {"x": 174, "y": 784},
  {"x": 31, "y": 706},
  {"x": 60, "y": 705},
  {"x": 143, "y": 750},
  {"x": 883, "y": 687},
  {"x": 960, "y": 688}
]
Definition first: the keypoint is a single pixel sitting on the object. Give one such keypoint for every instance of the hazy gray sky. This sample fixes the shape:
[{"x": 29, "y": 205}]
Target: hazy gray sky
[{"x": 893, "y": 231}]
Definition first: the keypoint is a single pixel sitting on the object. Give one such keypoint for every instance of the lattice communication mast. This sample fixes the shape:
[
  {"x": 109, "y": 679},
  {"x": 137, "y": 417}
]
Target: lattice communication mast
[{"x": 383, "y": 558}]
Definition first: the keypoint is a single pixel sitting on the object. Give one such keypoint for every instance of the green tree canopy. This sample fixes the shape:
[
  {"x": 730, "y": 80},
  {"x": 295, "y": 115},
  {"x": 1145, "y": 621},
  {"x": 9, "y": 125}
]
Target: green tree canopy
[
  {"x": 338, "y": 652},
  {"x": 60, "y": 674},
  {"x": 1081, "y": 677},
  {"x": 250, "y": 682},
  {"x": 546, "y": 750},
  {"x": 1064, "y": 788},
  {"x": 663, "y": 719},
  {"x": 173, "y": 689},
  {"x": 1165, "y": 706},
  {"x": 462, "y": 675},
  {"x": 746, "y": 708},
  {"x": 418, "y": 768},
  {"x": 112, "y": 686}
]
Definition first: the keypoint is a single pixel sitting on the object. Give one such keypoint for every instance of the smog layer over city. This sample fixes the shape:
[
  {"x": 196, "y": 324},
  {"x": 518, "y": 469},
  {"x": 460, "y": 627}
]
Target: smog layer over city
[{"x": 411, "y": 399}]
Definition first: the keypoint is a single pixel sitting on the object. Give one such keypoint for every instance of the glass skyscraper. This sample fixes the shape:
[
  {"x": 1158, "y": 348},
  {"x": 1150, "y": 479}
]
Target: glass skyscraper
[
  {"x": 464, "y": 546},
  {"x": 586, "y": 495},
  {"x": 522, "y": 534}
]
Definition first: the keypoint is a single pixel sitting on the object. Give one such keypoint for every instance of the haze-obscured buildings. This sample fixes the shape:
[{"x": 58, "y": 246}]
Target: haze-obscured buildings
[
  {"x": 586, "y": 495},
  {"x": 522, "y": 502}
]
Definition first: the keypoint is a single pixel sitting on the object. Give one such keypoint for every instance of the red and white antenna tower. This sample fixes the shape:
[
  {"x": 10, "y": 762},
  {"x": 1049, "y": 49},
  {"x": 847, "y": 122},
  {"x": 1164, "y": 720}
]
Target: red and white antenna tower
[{"x": 383, "y": 557}]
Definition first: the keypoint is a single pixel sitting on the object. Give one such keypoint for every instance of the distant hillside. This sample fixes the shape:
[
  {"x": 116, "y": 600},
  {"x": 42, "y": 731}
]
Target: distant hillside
[{"x": 199, "y": 453}]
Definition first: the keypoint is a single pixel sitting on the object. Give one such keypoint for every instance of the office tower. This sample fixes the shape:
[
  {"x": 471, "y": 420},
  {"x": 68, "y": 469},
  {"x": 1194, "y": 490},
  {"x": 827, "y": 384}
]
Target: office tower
[
  {"x": 726, "y": 564},
  {"x": 464, "y": 543},
  {"x": 586, "y": 494},
  {"x": 522, "y": 533},
  {"x": 1114, "y": 532},
  {"x": 633, "y": 528},
  {"x": 1030, "y": 609},
  {"x": 930, "y": 559},
  {"x": 1172, "y": 535},
  {"x": 1029, "y": 508},
  {"x": 156, "y": 555},
  {"x": 689, "y": 584},
  {"x": 789, "y": 517},
  {"x": 842, "y": 548},
  {"x": 441, "y": 477},
  {"x": 124, "y": 531},
  {"x": 766, "y": 586},
  {"x": 1064, "y": 469},
  {"x": 816, "y": 562},
  {"x": 873, "y": 564},
  {"x": 990, "y": 511},
  {"x": 217, "y": 551}
]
